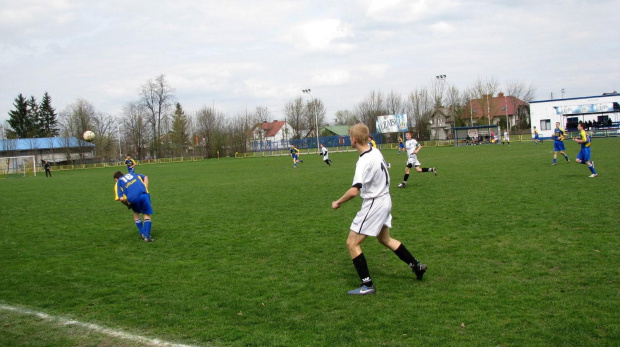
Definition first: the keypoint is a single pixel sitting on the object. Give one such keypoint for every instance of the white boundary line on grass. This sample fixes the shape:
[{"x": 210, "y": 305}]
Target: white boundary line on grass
[{"x": 93, "y": 327}]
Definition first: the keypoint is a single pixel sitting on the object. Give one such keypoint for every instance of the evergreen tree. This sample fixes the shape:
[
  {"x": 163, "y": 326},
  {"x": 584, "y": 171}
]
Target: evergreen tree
[
  {"x": 20, "y": 119},
  {"x": 47, "y": 117},
  {"x": 179, "y": 127},
  {"x": 34, "y": 117}
]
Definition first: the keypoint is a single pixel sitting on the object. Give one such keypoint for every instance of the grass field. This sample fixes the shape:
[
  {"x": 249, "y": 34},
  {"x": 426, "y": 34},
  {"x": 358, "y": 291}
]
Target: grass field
[{"x": 248, "y": 252}]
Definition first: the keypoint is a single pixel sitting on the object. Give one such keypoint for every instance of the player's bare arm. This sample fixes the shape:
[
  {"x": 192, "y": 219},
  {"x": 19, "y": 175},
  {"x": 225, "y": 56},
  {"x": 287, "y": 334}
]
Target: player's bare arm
[{"x": 348, "y": 195}]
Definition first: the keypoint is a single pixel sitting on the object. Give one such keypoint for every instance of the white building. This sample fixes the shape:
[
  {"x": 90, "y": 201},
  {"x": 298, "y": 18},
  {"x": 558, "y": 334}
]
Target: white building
[
  {"x": 270, "y": 135},
  {"x": 601, "y": 110}
]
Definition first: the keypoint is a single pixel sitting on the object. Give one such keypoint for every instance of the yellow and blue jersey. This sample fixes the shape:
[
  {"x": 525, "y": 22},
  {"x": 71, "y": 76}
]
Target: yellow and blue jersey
[
  {"x": 131, "y": 187},
  {"x": 294, "y": 152},
  {"x": 558, "y": 134},
  {"x": 586, "y": 138},
  {"x": 130, "y": 162}
]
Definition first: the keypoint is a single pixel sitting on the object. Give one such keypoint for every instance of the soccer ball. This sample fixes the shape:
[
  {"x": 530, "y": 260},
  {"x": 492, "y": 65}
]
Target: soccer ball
[{"x": 88, "y": 135}]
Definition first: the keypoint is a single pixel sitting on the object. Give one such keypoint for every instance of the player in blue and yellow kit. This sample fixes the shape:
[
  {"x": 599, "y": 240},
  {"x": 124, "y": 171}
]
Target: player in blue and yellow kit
[
  {"x": 133, "y": 191},
  {"x": 536, "y": 136},
  {"x": 584, "y": 154},
  {"x": 130, "y": 164},
  {"x": 295, "y": 155},
  {"x": 558, "y": 143}
]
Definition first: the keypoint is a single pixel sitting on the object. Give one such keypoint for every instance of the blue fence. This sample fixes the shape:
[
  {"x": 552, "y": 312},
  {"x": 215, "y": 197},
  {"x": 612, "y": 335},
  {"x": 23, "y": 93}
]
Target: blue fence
[{"x": 309, "y": 142}]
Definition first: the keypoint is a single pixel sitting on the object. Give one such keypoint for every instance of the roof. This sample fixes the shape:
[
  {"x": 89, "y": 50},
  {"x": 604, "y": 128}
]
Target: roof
[
  {"x": 270, "y": 128},
  {"x": 499, "y": 105},
  {"x": 578, "y": 98},
  {"x": 42, "y": 143},
  {"x": 340, "y": 130}
]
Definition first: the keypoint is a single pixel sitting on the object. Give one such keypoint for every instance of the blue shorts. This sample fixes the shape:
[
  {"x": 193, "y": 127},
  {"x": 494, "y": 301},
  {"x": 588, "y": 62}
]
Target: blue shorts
[
  {"x": 584, "y": 154},
  {"x": 537, "y": 137},
  {"x": 401, "y": 145},
  {"x": 295, "y": 156},
  {"x": 130, "y": 170},
  {"x": 558, "y": 146},
  {"x": 142, "y": 205}
]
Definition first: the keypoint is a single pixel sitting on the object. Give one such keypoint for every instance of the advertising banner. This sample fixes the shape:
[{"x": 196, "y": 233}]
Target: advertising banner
[
  {"x": 590, "y": 108},
  {"x": 391, "y": 123}
]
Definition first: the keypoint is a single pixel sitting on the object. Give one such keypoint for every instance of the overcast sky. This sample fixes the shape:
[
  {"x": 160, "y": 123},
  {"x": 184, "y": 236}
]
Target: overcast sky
[{"x": 240, "y": 54}]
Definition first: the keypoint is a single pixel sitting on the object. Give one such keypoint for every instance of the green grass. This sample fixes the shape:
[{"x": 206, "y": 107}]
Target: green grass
[{"x": 249, "y": 252}]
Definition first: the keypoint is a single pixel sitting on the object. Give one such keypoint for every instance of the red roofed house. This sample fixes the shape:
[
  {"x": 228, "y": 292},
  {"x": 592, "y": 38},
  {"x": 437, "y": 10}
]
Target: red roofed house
[
  {"x": 270, "y": 135},
  {"x": 490, "y": 110}
]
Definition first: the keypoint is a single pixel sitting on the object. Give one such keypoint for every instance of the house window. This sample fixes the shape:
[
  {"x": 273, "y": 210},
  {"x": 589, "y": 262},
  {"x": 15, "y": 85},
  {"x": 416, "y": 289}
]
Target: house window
[{"x": 545, "y": 124}]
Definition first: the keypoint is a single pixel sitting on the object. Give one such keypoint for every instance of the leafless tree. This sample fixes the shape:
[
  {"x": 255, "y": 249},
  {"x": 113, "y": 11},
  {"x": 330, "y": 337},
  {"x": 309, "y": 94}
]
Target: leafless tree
[
  {"x": 157, "y": 97},
  {"x": 419, "y": 108},
  {"x": 371, "y": 107},
  {"x": 438, "y": 90},
  {"x": 294, "y": 111},
  {"x": 314, "y": 112},
  {"x": 106, "y": 147},
  {"x": 209, "y": 126},
  {"x": 237, "y": 129},
  {"x": 394, "y": 103},
  {"x": 74, "y": 121},
  {"x": 520, "y": 91},
  {"x": 134, "y": 126},
  {"x": 346, "y": 117},
  {"x": 484, "y": 92}
]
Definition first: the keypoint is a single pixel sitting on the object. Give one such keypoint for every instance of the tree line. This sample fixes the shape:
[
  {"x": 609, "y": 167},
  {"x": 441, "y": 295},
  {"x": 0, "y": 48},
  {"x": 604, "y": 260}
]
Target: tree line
[{"x": 155, "y": 124}]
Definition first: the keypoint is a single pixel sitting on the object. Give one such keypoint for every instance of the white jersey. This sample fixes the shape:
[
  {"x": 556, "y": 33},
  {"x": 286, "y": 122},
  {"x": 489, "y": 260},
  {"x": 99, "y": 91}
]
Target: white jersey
[
  {"x": 371, "y": 175},
  {"x": 506, "y": 138},
  {"x": 411, "y": 146},
  {"x": 324, "y": 153}
]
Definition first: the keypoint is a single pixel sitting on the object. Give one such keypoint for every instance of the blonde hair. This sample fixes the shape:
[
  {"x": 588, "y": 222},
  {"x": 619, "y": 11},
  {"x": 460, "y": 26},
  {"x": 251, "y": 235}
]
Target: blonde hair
[{"x": 360, "y": 133}]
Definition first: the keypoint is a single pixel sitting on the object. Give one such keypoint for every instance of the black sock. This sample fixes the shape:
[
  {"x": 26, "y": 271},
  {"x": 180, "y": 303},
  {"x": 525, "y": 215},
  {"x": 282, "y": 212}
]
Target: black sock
[
  {"x": 424, "y": 169},
  {"x": 406, "y": 178},
  {"x": 362, "y": 270},
  {"x": 403, "y": 253}
]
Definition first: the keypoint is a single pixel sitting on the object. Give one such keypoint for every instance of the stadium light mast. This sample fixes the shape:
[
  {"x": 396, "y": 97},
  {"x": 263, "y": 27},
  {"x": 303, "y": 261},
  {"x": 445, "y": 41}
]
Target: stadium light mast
[
  {"x": 441, "y": 78},
  {"x": 316, "y": 118}
]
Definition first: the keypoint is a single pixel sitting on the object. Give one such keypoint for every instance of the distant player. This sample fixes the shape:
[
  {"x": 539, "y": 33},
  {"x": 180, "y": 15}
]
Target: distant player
[
  {"x": 413, "y": 147},
  {"x": 506, "y": 138},
  {"x": 325, "y": 155},
  {"x": 133, "y": 191},
  {"x": 372, "y": 181},
  {"x": 372, "y": 142},
  {"x": 130, "y": 164},
  {"x": 584, "y": 154},
  {"x": 558, "y": 143},
  {"x": 401, "y": 144},
  {"x": 48, "y": 168},
  {"x": 295, "y": 155},
  {"x": 537, "y": 136}
]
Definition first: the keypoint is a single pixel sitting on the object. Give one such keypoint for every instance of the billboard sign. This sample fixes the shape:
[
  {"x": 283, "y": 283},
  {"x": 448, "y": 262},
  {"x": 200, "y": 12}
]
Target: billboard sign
[{"x": 392, "y": 123}]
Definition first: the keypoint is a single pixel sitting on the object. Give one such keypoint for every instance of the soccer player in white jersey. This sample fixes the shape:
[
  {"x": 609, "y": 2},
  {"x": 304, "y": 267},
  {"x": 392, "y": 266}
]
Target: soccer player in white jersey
[
  {"x": 413, "y": 147},
  {"x": 325, "y": 155},
  {"x": 372, "y": 182}
]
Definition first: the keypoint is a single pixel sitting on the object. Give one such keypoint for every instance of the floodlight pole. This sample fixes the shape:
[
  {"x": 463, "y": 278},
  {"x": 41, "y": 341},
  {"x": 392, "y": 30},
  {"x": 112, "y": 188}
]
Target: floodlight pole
[
  {"x": 441, "y": 78},
  {"x": 316, "y": 118}
]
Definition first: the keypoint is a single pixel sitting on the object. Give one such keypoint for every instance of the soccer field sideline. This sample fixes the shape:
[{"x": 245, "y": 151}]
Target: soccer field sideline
[{"x": 65, "y": 322}]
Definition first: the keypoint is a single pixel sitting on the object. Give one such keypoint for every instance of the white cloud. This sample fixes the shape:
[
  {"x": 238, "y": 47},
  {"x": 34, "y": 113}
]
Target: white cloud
[{"x": 321, "y": 35}]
